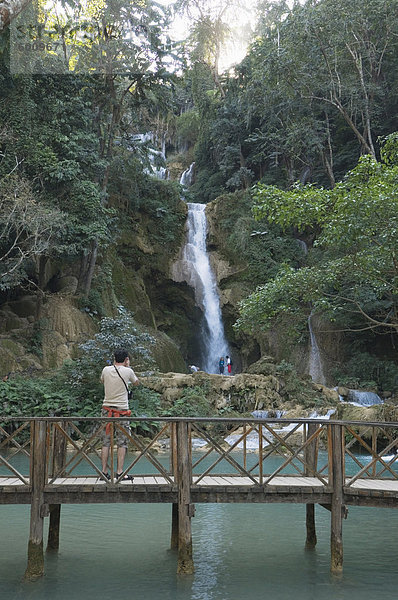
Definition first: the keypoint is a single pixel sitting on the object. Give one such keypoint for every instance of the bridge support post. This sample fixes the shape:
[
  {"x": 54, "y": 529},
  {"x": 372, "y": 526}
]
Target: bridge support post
[
  {"x": 311, "y": 539},
  {"x": 337, "y": 471},
  {"x": 35, "y": 567},
  {"x": 174, "y": 470},
  {"x": 185, "y": 508},
  {"x": 174, "y": 526},
  {"x": 58, "y": 461},
  {"x": 311, "y": 456}
]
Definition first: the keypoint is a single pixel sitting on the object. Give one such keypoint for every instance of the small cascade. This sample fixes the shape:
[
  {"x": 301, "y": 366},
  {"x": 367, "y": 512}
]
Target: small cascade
[
  {"x": 187, "y": 176},
  {"x": 157, "y": 158},
  {"x": 268, "y": 414},
  {"x": 315, "y": 362},
  {"x": 362, "y": 398},
  {"x": 303, "y": 246},
  {"x": 316, "y": 415},
  {"x": 194, "y": 268}
]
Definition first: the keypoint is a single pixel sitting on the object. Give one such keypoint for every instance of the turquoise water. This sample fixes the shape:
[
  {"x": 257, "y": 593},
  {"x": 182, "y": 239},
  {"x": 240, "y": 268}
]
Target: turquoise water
[{"x": 240, "y": 551}]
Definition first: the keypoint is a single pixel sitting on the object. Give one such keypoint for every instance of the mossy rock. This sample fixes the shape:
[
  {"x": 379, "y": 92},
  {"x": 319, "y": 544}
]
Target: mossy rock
[
  {"x": 11, "y": 346},
  {"x": 264, "y": 366},
  {"x": 11, "y": 322},
  {"x": 8, "y": 363},
  {"x": 130, "y": 289},
  {"x": 167, "y": 354},
  {"x": 29, "y": 363},
  {"x": 24, "y": 307}
]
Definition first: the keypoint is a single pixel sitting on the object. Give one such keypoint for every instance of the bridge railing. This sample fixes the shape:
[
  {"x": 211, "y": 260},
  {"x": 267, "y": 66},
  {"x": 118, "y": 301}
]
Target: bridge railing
[
  {"x": 371, "y": 451},
  {"x": 257, "y": 450},
  {"x": 266, "y": 449}
]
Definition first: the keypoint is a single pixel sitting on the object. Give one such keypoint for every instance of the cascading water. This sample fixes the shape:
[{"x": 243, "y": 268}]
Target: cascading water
[
  {"x": 363, "y": 398},
  {"x": 157, "y": 158},
  {"x": 315, "y": 362},
  {"x": 187, "y": 176},
  {"x": 194, "y": 268}
]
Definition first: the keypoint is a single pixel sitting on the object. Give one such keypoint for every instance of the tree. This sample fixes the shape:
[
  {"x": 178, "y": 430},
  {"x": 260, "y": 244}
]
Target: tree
[
  {"x": 337, "y": 54},
  {"x": 63, "y": 128},
  {"x": 353, "y": 278},
  {"x": 29, "y": 230}
]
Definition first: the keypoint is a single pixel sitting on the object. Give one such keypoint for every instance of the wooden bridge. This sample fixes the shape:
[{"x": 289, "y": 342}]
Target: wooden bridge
[{"x": 47, "y": 462}]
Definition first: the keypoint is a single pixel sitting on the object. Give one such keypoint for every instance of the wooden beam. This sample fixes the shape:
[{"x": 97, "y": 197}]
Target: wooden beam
[
  {"x": 336, "y": 520},
  {"x": 57, "y": 463},
  {"x": 174, "y": 470},
  {"x": 185, "y": 558},
  {"x": 35, "y": 567},
  {"x": 174, "y": 526},
  {"x": 311, "y": 458}
]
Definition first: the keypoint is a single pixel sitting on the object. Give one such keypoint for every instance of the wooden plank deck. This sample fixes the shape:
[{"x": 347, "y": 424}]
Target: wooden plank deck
[{"x": 210, "y": 481}]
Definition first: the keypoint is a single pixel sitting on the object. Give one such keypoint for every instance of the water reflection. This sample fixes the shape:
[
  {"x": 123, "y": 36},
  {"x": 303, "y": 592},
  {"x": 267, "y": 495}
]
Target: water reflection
[{"x": 209, "y": 551}]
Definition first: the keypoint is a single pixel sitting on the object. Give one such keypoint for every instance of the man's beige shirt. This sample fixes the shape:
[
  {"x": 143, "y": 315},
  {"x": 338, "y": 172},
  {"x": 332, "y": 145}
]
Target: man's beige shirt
[{"x": 115, "y": 391}]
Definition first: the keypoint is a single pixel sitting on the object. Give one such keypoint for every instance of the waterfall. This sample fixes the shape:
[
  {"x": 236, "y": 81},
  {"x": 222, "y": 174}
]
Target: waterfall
[
  {"x": 302, "y": 245},
  {"x": 194, "y": 268},
  {"x": 315, "y": 362},
  {"x": 157, "y": 158},
  {"x": 187, "y": 176},
  {"x": 199, "y": 275}
]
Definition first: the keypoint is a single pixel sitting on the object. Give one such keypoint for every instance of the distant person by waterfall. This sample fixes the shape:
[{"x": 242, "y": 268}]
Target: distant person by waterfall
[
  {"x": 221, "y": 365},
  {"x": 229, "y": 365}
]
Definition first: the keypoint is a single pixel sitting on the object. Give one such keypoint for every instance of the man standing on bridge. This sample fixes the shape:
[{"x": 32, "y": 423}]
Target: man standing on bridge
[{"x": 116, "y": 378}]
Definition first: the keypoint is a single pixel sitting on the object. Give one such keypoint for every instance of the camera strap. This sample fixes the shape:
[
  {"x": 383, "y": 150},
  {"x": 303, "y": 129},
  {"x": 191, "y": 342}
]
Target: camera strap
[{"x": 127, "y": 389}]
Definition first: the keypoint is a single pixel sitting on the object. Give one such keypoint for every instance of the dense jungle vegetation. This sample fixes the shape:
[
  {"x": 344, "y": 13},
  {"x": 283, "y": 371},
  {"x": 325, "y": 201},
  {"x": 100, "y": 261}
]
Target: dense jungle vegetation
[{"x": 297, "y": 142}]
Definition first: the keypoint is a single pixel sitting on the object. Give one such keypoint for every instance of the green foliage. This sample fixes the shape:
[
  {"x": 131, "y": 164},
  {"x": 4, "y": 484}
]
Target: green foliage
[
  {"x": 41, "y": 397},
  {"x": 313, "y": 93},
  {"x": 301, "y": 207},
  {"x": 355, "y": 275},
  {"x": 256, "y": 244},
  {"x": 187, "y": 127},
  {"x": 162, "y": 203},
  {"x": 146, "y": 402},
  {"x": 119, "y": 332},
  {"x": 34, "y": 343},
  {"x": 208, "y": 183},
  {"x": 92, "y": 304},
  {"x": 294, "y": 388},
  {"x": 193, "y": 403},
  {"x": 364, "y": 370}
]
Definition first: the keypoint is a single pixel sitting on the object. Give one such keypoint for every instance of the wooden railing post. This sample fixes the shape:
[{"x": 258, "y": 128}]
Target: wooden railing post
[
  {"x": 311, "y": 458},
  {"x": 35, "y": 566},
  {"x": 336, "y": 532},
  {"x": 260, "y": 454},
  {"x": 174, "y": 471},
  {"x": 58, "y": 461},
  {"x": 185, "y": 508}
]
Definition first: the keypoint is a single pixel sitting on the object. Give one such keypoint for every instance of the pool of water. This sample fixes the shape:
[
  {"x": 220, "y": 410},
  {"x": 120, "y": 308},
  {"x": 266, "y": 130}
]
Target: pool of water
[{"x": 240, "y": 551}]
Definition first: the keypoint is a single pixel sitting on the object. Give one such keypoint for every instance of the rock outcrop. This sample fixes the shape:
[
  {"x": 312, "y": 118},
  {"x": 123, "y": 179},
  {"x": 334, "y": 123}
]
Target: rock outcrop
[{"x": 243, "y": 393}]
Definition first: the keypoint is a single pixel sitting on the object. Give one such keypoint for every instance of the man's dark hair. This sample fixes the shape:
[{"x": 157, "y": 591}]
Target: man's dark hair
[{"x": 120, "y": 355}]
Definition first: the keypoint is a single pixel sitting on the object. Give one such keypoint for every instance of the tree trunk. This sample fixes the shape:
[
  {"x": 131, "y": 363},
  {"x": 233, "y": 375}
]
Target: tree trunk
[
  {"x": 87, "y": 268},
  {"x": 41, "y": 281},
  {"x": 11, "y": 9}
]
